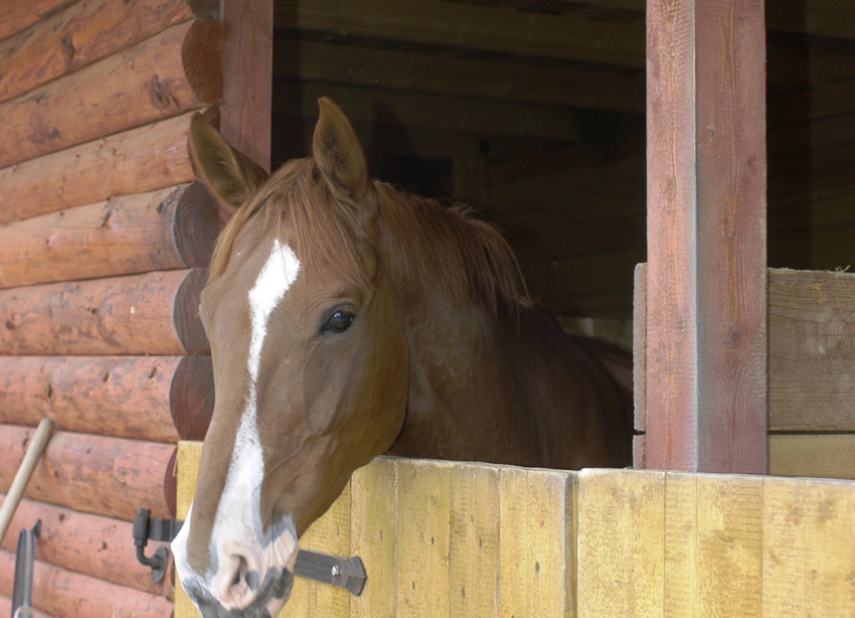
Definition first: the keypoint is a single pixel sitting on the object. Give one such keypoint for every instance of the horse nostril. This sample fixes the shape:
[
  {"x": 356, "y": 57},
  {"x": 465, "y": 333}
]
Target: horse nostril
[{"x": 244, "y": 575}]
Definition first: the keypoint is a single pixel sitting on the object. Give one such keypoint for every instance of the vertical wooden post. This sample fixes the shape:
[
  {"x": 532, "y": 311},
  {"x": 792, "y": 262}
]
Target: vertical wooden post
[
  {"x": 706, "y": 394},
  {"x": 248, "y": 77}
]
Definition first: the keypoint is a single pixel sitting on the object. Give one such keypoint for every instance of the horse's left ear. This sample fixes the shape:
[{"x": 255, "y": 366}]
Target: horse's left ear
[{"x": 338, "y": 153}]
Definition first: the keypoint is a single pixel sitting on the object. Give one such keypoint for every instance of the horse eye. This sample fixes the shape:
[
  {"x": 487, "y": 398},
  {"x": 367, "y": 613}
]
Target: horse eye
[{"x": 340, "y": 320}]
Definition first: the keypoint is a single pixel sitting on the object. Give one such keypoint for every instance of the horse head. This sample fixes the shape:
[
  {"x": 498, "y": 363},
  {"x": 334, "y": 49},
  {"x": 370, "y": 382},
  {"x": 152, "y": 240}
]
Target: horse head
[{"x": 309, "y": 362}]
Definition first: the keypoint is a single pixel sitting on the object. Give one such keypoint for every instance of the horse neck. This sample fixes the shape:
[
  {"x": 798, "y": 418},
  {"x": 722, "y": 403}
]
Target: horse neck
[{"x": 502, "y": 390}]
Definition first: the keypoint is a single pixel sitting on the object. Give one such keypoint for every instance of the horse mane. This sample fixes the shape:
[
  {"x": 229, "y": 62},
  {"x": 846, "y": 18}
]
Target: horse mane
[{"x": 468, "y": 258}]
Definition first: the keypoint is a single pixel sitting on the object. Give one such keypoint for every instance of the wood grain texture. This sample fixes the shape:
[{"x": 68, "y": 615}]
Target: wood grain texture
[
  {"x": 594, "y": 543},
  {"x": 84, "y": 32},
  {"x": 135, "y": 161},
  {"x": 18, "y": 16},
  {"x": 811, "y": 351},
  {"x": 248, "y": 77},
  {"x": 161, "y": 230},
  {"x": 477, "y": 27},
  {"x": 175, "y": 71},
  {"x": 825, "y": 455},
  {"x": 619, "y": 519},
  {"x": 678, "y": 544},
  {"x": 6, "y": 608},
  {"x": 99, "y": 547},
  {"x": 536, "y": 553},
  {"x": 154, "y": 313},
  {"x": 460, "y": 76},
  {"x": 639, "y": 346},
  {"x": 94, "y": 474},
  {"x": 66, "y": 594},
  {"x": 372, "y": 535},
  {"x": 706, "y": 330},
  {"x": 171, "y": 396}
]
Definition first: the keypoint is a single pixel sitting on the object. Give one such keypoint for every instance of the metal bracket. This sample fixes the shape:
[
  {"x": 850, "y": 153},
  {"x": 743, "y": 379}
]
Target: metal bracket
[
  {"x": 153, "y": 528},
  {"x": 347, "y": 573}
]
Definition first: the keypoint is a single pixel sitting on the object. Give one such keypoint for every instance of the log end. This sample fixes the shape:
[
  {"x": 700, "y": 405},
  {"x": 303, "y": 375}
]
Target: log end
[
  {"x": 196, "y": 225},
  {"x": 188, "y": 326},
  {"x": 191, "y": 397},
  {"x": 202, "y": 58}
]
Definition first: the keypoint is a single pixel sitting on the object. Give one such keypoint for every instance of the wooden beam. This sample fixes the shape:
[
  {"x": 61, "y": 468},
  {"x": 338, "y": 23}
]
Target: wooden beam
[
  {"x": 161, "y": 230},
  {"x": 824, "y": 455},
  {"x": 172, "y": 396},
  {"x": 154, "y": 313},
  {"x": 87, "y": 31},
  {"x": 433, "y": 110},
  {"x": 460, "y": 76},
  {"x": 706, "y": 288},
  {"x": 165, "y": 75},
  {"x": 143, "y": 159},
  {"x": 17, "y": 16},
  {"x": 823, "y": 17},
  {"x": 247, "y": 77},
  {"x": 94, "y": 474},
  {"x": 469, "y": 26}
]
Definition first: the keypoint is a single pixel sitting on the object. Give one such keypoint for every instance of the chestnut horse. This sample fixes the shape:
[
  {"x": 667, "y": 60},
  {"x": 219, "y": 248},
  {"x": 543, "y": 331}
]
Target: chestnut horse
[{"x": 346, "y": 320}]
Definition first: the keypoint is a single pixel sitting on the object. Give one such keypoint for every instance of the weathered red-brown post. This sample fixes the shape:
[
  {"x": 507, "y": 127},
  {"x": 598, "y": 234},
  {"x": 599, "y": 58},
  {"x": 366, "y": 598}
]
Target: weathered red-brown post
[{"x": 706, "y": 393}]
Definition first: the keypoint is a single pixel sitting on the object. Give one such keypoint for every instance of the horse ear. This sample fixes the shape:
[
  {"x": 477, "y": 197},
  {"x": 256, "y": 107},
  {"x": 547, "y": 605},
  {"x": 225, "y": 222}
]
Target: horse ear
[
  {"x": 229, "y": 174},
  {"x": 338, "y": 153}
]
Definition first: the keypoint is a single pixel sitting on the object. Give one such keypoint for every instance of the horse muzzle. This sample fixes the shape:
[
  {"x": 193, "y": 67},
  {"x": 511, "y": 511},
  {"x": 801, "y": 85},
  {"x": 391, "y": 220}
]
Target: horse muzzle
[{"x": 267, "y": 600}]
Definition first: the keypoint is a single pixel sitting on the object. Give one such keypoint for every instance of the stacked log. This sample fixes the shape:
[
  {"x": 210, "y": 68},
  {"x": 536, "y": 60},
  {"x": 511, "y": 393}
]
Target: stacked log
[{"x": 104, "y": 241}]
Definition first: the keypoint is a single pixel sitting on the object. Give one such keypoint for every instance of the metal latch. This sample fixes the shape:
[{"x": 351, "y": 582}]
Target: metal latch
[{"x": 347, "y": 573}]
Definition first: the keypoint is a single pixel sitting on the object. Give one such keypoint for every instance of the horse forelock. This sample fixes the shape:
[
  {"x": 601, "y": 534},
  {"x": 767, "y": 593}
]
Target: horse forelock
[{"x": 324, "y": 229}]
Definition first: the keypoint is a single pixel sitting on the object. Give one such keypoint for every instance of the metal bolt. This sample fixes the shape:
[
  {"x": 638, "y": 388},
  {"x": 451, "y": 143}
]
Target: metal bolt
[{"x": 335, "y": 570}]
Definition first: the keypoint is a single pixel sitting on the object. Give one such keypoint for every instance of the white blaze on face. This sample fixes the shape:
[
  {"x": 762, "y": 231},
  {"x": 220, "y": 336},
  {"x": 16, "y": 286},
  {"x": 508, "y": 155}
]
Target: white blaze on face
[{"x": 238, "y": 529}]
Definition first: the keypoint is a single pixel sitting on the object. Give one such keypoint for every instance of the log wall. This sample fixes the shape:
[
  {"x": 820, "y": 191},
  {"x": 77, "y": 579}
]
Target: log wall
[
  {"x": 104, "y": 241},
  {"x": 451, "y": 539}
]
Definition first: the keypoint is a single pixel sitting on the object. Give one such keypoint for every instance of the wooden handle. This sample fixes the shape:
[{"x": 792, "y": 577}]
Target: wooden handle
[{"x": 25, "y": 471}]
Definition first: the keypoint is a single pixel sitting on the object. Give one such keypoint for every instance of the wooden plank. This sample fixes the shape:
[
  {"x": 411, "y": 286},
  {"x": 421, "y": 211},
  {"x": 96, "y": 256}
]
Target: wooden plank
[
  {"x": 639, "y": 347},
  {"x": 587, "y": 275},
  {"x": 84, "y": 32},
  {"x": 372, "y": 536},
  {"x": 459, "y": 76},
  {"x": 474, "y": 541},
  {"x": 467, "y": 26},
  {"x": 94, "y": 474},
  {"x": 171, "y": 397},
  {"x": 68, "y": 536},
  {"x": 247, "y": 77},
  {"x": 811, "y": 351},
  {"x": 161, "y": 230},
  {"x": 435, "y": 110},
  {"x": 537, "y": 549},
  {"x": 154, "y": 313},
  {"x": 706, "y": 362},
  {"x": 621, "y": 555},
  {"x": 829, "y": 455},
  {"x": 66, "y": 594},
  {"x": 188, "y": 456},
  {"x": 175, "y": 71},
  {"x": 808, "y": 548},
  {"x": 144, "y": 159},
  {"x": 422, "y": 539}
]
